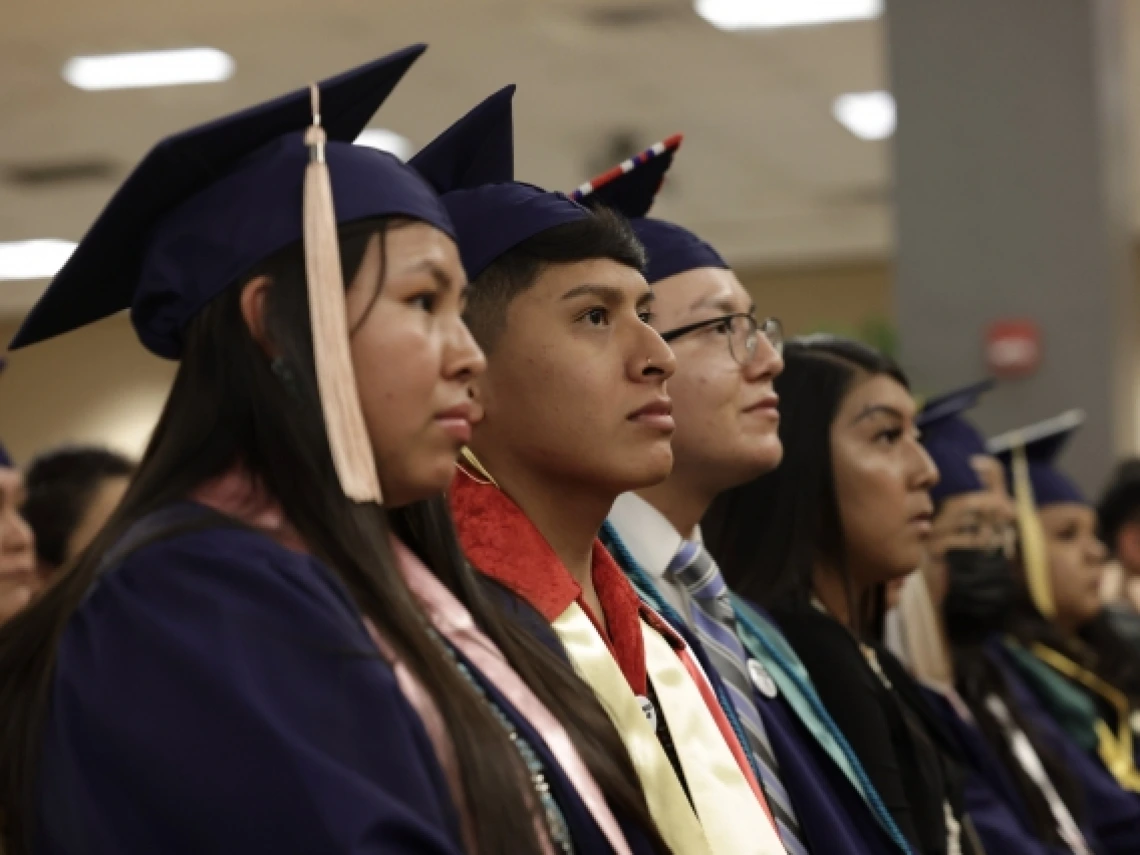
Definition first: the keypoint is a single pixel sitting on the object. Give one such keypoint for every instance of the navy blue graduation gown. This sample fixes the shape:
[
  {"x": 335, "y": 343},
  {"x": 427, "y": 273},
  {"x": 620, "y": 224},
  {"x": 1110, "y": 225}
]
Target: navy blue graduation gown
[
  {"x": 991, "y": 796},
  {"x": 832, "y": 813},
  {"x": 219, "y": 693},
  {"x": 1111, "y": 812}
]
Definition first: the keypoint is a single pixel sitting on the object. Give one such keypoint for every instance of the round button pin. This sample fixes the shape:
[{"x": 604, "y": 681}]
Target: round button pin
[
  {"x": 649, "y": 710},
  {"x": 761, "y": 679}
]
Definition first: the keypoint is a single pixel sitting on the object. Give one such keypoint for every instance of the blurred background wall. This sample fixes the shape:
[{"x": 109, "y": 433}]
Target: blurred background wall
[{"x": 865, "y": 175}]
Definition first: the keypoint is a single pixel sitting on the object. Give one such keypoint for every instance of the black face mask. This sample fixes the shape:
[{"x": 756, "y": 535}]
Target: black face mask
[{"x": 980, "y": 594}]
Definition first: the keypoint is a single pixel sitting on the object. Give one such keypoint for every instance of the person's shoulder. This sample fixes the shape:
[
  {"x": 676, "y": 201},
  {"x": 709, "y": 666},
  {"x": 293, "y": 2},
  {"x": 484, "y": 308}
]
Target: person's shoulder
[{"x": 165, "y": 561}]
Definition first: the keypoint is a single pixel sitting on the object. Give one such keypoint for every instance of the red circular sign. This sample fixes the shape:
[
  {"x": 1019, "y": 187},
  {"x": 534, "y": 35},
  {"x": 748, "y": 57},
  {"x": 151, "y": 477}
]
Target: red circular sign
[{"x": 1013, "y": 348}]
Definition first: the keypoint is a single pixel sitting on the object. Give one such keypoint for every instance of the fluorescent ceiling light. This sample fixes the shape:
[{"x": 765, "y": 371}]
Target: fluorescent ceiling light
[
  {"x": 150, "y": 68},
  {"x": 386, "y": 140},
  {"x": 868, "y": 115},
  {"x": 770, "y": 14},
  {"x": 33, "y": 259}
]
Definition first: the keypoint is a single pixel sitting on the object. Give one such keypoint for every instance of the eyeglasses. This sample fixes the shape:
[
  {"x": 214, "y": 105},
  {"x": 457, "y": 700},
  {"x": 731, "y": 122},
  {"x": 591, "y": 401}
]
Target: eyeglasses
[{"x": 742, "y": 331}]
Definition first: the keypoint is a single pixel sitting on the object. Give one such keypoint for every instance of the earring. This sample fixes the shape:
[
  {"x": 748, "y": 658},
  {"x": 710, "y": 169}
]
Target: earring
[
  {"x": 284, "y": 373},
  {"x": 474, "y": 469}
]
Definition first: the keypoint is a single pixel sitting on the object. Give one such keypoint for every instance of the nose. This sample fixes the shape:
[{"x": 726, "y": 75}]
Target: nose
[
  {"x": 925, "y": 472},
  {"x": 1096, "y": 551},
  {"x": 651, "y": 358},
  {"x": 463, "y": 358},
  {"x": 766, "y": 363},
  {"x": 16, "y": 538}
]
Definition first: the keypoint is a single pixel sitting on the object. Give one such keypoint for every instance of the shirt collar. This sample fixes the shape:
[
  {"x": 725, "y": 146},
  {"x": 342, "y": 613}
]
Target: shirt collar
[
  {"x": 502, "y": 543},
  {"x": 647, "y": 534}
]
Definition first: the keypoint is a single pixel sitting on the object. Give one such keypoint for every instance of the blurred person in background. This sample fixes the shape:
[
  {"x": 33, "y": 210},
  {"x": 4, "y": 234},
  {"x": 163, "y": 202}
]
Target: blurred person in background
[
  {"x": 19, "y": 581},
  {"x": 575, "y": 413},
  {"x": 1024, "y": 790},
  {"x": 71, "y": 492},
  {"x": 275, "y": 645},
  {"x": 1071, "y": 664},
  {"x": 727, "y": 420},
  {"x": 1118, "y": 516},
  {"x": 847, "y": 511}
]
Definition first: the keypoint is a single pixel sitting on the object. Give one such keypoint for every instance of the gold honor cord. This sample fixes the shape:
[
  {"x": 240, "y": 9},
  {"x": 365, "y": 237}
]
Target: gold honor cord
[
  {"x": 1115, "y": 749},
  {"x": 733, "y": 819},
  {"x": 1034, "y": 554},
  {"x": 668, "y": 803}
]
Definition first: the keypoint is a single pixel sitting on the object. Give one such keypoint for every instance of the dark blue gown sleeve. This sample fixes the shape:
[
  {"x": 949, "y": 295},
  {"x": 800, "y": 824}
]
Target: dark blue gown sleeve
[{"x": 217, "y": 693}]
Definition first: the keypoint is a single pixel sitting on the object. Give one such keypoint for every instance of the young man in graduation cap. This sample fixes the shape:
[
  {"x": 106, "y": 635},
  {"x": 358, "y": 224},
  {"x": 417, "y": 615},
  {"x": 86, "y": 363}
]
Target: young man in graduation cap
[
  {"x": 575, "y": 414},
  {"x": 727, "y": 434}
]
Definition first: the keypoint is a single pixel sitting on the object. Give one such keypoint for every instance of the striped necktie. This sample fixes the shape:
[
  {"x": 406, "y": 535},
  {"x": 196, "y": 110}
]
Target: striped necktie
[{"x": 714, "y": 621}]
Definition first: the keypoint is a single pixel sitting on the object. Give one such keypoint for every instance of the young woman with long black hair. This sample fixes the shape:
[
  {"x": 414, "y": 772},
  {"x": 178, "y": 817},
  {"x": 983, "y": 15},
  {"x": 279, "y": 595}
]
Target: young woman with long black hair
[
  {"x": 254, "y": 655},
  {"x": 815, "y": 542}
]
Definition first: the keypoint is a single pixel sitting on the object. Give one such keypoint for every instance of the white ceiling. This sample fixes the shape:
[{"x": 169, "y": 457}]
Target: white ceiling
[{"x": 766, "y": 173}]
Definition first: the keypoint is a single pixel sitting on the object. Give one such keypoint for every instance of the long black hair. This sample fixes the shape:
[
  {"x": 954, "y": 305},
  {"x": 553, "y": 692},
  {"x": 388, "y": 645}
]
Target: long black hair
[
  {"x": 770, "y": 534},
  {"x": 229, "y": 408}
]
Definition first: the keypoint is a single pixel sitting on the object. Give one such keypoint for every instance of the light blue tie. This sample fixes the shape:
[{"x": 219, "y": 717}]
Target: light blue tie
[{"x": 714, "y": 621}]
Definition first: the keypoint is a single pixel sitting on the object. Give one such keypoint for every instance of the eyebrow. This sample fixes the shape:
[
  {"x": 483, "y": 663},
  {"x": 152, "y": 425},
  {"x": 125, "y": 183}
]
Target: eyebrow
[
  {"x": 441, "y": 276},
  {"x": 721, "y": 304},
  {"x": 879, "y": 410},
  {"x": 608, "y": 293}
]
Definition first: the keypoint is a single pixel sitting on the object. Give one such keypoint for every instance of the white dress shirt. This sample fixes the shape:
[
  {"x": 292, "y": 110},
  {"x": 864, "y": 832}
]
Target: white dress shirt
[{"x": 652, "y": 541}]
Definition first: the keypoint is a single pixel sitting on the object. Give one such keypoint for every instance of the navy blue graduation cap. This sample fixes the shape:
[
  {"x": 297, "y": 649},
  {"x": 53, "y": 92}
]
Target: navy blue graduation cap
[
  {"x": 472, "y": 166},
  {"x": 951, "y": 440},
  {"x": 1042, "y": 443},
  {"x": 206, "y": 205},
  {"x": 630, "y": 189}
]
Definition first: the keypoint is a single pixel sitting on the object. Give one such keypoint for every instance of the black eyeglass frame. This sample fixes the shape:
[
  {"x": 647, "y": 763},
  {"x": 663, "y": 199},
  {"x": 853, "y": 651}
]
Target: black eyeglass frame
[{"x": 770, "y": 328}]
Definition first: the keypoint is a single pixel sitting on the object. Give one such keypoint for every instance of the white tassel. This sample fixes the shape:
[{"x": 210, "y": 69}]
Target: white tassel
[{"x": 336, "y": 382}]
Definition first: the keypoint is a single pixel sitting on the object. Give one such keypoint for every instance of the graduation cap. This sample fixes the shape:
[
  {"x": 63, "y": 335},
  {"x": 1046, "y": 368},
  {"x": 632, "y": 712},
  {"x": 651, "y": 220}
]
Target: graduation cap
[
  {"x": 630, "y": 189},
  {"x": 951, "y": 441},
  {"x": 205, "y": 206},
  {"x": 1029, "y": 455},
  {"x": 472, "y": 166},
  {"x": 1041, "y": 444}
]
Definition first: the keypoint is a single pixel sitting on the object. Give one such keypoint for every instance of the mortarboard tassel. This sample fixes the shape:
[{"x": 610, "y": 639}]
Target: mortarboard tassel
[
  {"x": 336, "y": 382},
  {"x": 1033, "y": 552}
]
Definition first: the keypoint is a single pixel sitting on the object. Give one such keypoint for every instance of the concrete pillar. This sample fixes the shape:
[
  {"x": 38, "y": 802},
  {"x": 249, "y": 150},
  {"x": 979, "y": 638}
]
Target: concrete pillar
[{"x": 1012, "y": 200}]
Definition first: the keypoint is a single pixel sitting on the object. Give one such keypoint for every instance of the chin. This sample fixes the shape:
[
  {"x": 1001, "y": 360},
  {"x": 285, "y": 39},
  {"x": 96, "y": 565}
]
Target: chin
[
  {"x": 761, "y": 458},
  {"x": 636, "y": 472},
  {"x": 903, "y": 566},
  {"x": 409, "y": 487}
]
